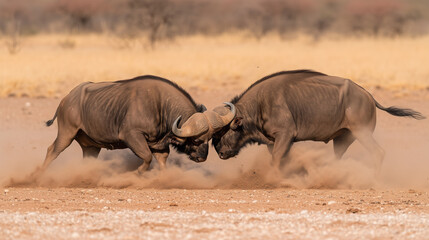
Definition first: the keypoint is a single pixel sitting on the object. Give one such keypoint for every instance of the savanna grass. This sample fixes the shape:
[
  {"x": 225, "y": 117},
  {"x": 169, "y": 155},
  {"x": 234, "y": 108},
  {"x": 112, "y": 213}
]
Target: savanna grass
[{"x": 44, "y": 68}]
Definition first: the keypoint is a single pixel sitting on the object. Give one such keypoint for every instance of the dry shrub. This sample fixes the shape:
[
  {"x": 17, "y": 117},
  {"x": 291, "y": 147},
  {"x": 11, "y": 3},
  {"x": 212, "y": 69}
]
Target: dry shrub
[
  {"x": 13, "y": 38},
  {"x": 161, "y": 19}
]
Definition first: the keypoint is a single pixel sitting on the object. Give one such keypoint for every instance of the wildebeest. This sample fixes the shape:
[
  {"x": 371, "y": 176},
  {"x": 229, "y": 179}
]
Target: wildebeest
[
  {"x": 292, "y": 106},
  {"x": 142, "y": 114}
]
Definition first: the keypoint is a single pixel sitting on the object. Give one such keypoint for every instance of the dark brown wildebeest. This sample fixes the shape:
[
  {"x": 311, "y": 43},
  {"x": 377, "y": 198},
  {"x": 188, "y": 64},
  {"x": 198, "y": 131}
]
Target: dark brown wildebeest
[
  {"x": 141, "y": 114},
  {"x": 300, "y": 105}
]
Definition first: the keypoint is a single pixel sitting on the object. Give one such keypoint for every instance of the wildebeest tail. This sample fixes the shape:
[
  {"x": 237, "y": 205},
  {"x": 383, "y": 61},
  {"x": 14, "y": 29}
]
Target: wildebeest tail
[
  {"x": 49, "y": 122},
  {"x": 401, "y": 112}
]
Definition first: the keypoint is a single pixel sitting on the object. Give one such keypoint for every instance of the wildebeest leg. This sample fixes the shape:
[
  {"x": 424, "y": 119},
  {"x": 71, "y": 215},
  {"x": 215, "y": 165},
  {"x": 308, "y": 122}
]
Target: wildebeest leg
[
  {"x": 63, "y": 140},
  {"x": 161, "y": 157},
  {"x": 282, "y": 145},
  {"x": 280, "y": 149},
  {"x": 138, "y": 144},
  {"x": 342, "y": 143},
  {"x": 90, "y": 151},
  {"x": 368, "y": 141},
  {"x": 143, "y": 168},
  {"x": 60, "y": 144}
]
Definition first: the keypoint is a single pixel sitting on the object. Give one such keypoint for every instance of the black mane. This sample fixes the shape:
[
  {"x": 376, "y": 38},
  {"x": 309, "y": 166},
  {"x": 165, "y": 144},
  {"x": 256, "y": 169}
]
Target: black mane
[
  {"x": 236, "y": 98},
  {"x": 199, "y": 107}
]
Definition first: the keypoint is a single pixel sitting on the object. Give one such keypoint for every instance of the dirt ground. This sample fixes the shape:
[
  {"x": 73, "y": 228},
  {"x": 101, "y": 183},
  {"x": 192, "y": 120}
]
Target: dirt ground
[{"x": 319, "y": 197}]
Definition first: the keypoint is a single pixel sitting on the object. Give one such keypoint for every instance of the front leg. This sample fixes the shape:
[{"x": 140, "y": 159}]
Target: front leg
[
  {"x": 282, "y": 144},
  {"x": 161, "y": 157},
  {"x": 138, "y": 144},
  {"x": 279, "y": 151}
]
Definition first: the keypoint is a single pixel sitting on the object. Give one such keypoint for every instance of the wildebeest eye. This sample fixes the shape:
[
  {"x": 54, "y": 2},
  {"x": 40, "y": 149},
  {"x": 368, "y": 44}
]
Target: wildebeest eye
[{"x": 237, "y": 129}]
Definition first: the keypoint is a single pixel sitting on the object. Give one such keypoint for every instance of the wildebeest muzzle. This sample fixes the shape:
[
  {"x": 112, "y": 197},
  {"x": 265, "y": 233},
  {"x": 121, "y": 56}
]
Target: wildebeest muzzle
[{"x": 200, "y": 155}]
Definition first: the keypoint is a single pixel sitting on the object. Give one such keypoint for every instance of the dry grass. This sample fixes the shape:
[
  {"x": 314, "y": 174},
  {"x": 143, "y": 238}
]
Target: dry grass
[{"x": 44, "y": 68}]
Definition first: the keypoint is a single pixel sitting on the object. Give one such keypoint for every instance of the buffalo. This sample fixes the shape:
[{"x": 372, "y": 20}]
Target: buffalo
[
  {"x": 292, "y": 106},
  {"x": 143, "y": 114}
]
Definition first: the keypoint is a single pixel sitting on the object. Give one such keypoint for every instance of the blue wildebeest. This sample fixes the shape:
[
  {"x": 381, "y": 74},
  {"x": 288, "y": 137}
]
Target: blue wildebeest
[
  {"x": 141, "y": 114},
  {"x": 292, "y": 106}
]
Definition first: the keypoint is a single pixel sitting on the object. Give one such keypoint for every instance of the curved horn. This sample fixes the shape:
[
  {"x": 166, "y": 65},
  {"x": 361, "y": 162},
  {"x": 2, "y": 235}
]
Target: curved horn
[
  {"x": 175, "y": 129},
  {"x": 194, "y": 126},
  {"x": 226, "y": 119}
]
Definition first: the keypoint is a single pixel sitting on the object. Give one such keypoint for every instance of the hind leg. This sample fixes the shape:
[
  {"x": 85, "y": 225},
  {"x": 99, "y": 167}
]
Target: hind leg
[
  {"x": 361, "y": 118},
  {"x": 368, "y": 141},
  {"x": 59, "y": 145},
  {"x": 63, "y": 140},
  {"x": 342, "y": 143}
]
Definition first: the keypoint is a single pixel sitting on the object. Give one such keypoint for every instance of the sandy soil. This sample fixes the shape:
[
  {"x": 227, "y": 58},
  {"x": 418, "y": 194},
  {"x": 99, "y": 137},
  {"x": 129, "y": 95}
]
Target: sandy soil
[{"x": 324, "y": 198}]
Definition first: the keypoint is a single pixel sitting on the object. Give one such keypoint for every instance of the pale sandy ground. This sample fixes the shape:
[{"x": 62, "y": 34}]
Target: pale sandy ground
[{"x": 98, "y": 199}]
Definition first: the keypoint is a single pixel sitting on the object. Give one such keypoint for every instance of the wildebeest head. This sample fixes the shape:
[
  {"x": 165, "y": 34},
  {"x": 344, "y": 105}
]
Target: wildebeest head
[
  {"x": 229, "y": 140},
  {"x": 195, "y": 133},
  {"x": 196, "y": 151}
]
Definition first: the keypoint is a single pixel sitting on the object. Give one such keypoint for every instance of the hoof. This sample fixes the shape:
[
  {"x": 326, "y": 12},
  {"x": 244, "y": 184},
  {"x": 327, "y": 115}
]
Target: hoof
[{"x": 36, "y": 174}]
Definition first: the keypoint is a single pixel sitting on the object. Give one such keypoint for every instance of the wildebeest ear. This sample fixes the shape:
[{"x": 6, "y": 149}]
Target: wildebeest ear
[
  {"x": 203, "y": 108},
  {"x": 237, "y": 122},
  {"x": 177, "y": 140}
]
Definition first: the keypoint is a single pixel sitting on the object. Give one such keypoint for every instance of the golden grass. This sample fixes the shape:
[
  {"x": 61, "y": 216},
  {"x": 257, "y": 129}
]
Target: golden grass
[{"x": 44, "y": 68}]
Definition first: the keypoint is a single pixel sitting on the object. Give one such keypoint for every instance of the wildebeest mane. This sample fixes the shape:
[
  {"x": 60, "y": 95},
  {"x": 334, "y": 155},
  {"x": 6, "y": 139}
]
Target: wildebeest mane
[
  {"x": 236, "y": 98},
  {"x": 199, "y": 107}
]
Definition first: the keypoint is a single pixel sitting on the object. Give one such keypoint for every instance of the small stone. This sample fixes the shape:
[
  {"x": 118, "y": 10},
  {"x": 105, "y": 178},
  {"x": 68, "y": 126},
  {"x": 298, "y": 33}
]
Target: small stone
[
  {"x": 75, "y": 235},
  {"x": 6, "y": 191},
  {"x": 331, "y": 202},
  {"x": 353, "y": 210}
]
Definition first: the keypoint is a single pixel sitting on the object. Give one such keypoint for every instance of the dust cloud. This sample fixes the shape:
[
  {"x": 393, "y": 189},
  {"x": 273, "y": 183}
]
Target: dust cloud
[
  {"x": 310, "y": 165},
  {"x": 117, "y": 169}
]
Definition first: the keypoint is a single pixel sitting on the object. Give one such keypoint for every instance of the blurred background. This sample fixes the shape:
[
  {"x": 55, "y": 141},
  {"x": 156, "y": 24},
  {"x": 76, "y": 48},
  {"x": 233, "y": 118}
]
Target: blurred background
[{"x": 48, "y": 46}]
